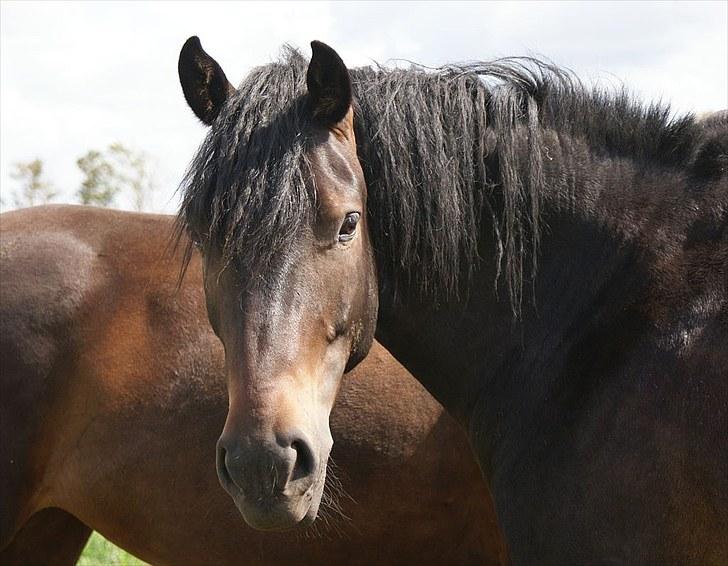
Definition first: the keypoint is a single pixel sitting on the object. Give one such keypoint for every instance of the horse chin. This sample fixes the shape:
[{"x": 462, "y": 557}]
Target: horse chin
[{"x": 280, "y": 513}]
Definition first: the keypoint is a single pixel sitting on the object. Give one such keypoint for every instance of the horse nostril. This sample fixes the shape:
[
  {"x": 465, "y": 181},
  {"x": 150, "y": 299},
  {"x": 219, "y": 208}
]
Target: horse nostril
[
  {"x": 305, "y": 463},
  {"x": 222, "y": 472}
]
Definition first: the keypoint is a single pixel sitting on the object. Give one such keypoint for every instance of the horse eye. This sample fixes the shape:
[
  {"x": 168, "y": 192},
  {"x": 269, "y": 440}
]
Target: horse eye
[
  {"x": 195, "y": 239},
  {"x": 348, "y": 227}
]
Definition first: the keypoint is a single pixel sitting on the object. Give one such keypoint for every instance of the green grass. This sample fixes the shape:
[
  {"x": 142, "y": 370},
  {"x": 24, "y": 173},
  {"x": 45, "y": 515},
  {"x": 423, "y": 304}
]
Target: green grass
[{"x": 100, "y": 552}]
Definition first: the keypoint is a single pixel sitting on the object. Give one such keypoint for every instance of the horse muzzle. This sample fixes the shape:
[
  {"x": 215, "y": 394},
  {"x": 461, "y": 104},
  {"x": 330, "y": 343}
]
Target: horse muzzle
[{"x": 276, "y": 484}]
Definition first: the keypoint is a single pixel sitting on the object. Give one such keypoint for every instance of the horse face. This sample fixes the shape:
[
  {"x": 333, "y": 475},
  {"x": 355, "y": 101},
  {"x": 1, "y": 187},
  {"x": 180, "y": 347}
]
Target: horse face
[{"x": 291, "y": 329}]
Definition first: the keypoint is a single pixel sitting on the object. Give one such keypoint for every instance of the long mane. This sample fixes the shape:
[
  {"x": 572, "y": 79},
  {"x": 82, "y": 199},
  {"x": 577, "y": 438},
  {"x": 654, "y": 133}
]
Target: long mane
[{"x": 441, "y": 150}]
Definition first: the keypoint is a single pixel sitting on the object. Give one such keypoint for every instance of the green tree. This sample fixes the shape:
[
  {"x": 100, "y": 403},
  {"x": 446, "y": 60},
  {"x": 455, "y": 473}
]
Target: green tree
[
  {"x": 135, "y": 174},
  {"x": 33, "y": 189},
  {"x": 114, "y": 171},
  {"x": 99, "y": 185}
]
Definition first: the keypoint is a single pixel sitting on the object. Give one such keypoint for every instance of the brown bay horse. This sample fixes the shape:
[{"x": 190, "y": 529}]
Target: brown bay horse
[
  {"x": 549, "y": 259},
  {"x": 113, "y": 394}
]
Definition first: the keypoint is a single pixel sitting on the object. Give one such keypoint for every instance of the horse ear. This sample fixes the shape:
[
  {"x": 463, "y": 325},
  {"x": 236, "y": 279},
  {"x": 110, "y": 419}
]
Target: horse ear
[
  {"x": 204, "y": 83},
  {"x": 329, "y": 85}
]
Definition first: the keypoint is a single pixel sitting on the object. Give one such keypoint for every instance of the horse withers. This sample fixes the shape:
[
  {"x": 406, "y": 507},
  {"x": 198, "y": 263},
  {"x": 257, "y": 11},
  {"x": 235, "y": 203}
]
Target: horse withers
[
  {"x": 113, "y": 395},
  {"x": 551, "y": 263}
]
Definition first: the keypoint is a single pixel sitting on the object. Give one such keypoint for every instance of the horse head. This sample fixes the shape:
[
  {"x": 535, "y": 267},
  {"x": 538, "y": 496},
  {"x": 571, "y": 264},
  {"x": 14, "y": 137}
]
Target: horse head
[{"x": 276, "y": 202}]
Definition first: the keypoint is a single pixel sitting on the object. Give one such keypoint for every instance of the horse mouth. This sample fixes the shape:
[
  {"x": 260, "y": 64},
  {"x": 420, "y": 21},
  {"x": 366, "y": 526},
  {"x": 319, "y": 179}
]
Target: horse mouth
[{"x": 278, "y": 513}]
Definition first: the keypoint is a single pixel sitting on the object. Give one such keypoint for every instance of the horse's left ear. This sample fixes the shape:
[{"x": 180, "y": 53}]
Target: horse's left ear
[
  {"x": 204, "y": 83},
  {"x": 329, "y": 85}
]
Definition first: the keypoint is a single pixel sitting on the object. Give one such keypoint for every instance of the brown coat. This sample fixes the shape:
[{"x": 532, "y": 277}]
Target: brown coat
[{"x": 113, "y": 396}]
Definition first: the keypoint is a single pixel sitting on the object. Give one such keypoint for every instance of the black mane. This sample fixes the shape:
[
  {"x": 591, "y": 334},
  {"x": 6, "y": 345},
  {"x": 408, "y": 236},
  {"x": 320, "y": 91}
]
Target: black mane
[{"x": 434, "y": 145}]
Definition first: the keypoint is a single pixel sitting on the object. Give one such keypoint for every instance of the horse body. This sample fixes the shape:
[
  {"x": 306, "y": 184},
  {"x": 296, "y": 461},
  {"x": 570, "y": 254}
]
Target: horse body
[
  {"x": 592, "y": 379},
  {"x": 599, "y": 416},
  {"x": 113, "y": 392}
]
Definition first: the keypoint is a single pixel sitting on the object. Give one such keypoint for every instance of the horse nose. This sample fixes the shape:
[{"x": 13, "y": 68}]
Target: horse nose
[{"x": 257, "y": 471}]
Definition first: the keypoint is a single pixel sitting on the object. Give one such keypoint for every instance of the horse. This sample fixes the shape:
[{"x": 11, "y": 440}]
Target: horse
[
  {"x": 113, "y": 394},
  {"x": 549, "y": 259}
]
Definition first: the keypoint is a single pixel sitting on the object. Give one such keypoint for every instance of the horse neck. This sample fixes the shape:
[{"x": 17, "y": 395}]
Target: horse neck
[{"x": 493, "y": 371}]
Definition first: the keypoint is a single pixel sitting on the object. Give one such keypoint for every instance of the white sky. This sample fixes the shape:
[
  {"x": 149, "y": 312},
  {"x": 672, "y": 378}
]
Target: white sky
[{"x": 79, "y": 76}]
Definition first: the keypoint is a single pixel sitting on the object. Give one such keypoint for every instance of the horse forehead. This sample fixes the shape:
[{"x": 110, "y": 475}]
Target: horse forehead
[{"x": 336, "y": 172}]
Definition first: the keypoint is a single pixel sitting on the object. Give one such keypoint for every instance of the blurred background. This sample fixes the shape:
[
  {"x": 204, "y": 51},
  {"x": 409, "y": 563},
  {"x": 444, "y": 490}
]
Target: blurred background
[{"x": 91, "y": 109}]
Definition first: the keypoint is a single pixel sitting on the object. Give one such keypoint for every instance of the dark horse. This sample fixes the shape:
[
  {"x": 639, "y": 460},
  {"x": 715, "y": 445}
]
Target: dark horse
[
  {"x": 549, "y": 260},
  {"x": 113, "y": 393}
]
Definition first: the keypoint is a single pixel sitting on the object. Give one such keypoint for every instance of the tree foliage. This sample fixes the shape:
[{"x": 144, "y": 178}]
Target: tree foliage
[
  {"x": 33, "y": 188},
  {"x": 134, "y": 173},
  {"x": 99, "y": 185},
  {"x": 116, "y": 170}
]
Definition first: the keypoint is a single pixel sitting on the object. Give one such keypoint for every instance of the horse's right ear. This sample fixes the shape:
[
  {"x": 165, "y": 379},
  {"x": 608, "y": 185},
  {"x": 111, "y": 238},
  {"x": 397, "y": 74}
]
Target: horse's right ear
[{"x": 204, "y": 83}]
